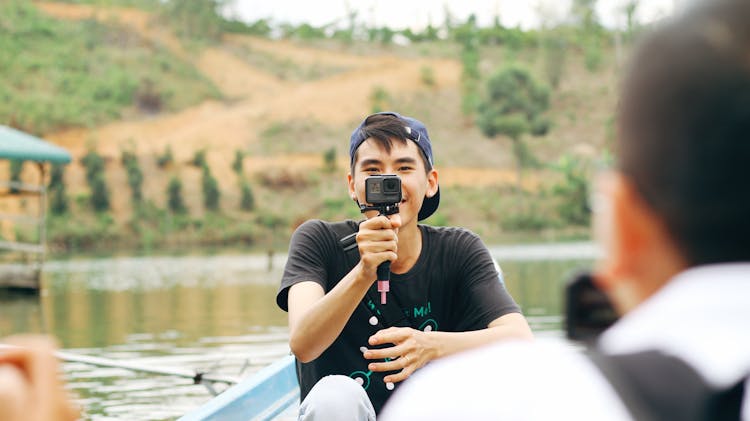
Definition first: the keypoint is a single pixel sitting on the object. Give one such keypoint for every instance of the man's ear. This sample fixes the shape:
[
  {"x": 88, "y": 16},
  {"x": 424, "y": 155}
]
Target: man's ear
[
  {"x": 432, "y": 182},
  {"x": 640, "y": 255},
  {"x": 350, "y": 184}
]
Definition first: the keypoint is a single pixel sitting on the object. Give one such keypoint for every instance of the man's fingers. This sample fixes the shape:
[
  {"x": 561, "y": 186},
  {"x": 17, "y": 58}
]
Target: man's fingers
[
  {"x": 379, "y": 222},
  {"x": 392, "y": 335},
  {"x": 390, "y": 365}
]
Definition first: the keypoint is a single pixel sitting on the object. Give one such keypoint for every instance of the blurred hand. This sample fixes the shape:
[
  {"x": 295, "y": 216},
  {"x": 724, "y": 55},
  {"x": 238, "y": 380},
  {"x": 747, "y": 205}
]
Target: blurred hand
[{"x": 30, "y": 386}]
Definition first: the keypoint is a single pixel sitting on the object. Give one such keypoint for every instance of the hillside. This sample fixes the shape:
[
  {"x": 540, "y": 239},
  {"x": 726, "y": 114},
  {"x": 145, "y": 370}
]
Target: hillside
[{"x": 284, "y": 103}]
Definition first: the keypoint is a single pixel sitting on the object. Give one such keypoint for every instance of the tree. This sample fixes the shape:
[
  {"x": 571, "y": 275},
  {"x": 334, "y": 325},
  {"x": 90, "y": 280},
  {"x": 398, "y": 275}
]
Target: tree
[
  {"x": 630, "y": 9},
  {"x": 211, "y": 193},
  {"x": 174, "y": 196},
  {"x": 94, "y": 164},
  {"x": 589, "y": 32},
  {"x": 573, "y": 191},
  {"x": 584, "y": 12},
  {"x": 239, "y": 156},
  {"x": 134, "y": 173},
  {"x": 247, "y": 201},
  {"x": 195, "y": 19},
  {"x": 467, "y": 35},
  {"x": 514, "y": 106}
]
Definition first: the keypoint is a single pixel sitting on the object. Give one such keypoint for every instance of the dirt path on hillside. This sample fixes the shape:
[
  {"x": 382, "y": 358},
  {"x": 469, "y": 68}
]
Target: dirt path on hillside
[{"x": 256, "y": 99}]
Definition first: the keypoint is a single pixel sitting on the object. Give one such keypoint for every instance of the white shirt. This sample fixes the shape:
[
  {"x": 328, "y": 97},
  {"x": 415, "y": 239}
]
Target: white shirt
[{"x": 702, "y": 316}]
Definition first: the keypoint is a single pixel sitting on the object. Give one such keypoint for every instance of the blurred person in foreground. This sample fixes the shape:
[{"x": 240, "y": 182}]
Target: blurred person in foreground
[
  {"x": 673, "y": 222},
  {"x": 30, "y": 385},
  {"x": 445, "y": 295}
]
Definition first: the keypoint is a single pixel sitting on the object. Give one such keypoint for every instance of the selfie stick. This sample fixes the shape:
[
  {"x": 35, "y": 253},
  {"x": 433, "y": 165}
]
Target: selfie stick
[
  {"x": 384, "y": 269},
  {"x": 384, "y": 278}
]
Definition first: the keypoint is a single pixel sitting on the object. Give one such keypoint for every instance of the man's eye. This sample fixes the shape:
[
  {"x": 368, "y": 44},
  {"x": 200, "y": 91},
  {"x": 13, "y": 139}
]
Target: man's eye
[
  {"x": 405, "y": 168},
  {"x": 371, "y": 169}
]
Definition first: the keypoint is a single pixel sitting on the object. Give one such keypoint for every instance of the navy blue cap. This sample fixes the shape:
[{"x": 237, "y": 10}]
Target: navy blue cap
[{"x": 417, "y": 132}]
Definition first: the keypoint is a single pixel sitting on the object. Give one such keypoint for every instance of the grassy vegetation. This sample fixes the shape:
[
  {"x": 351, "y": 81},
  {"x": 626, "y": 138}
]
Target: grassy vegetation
[
  {"x": 284, "y": 68},
  {"x": 60, "y": 74}
]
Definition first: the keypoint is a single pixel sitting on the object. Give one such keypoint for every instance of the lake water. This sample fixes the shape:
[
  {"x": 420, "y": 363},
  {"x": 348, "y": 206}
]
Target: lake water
[{"x": 214, "y": 314}]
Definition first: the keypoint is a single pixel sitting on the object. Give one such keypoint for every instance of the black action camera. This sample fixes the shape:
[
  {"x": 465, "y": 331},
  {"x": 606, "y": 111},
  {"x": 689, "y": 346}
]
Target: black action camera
[
  {"x": 588, "y": 311},
  {"x": 383, "y": 192}
]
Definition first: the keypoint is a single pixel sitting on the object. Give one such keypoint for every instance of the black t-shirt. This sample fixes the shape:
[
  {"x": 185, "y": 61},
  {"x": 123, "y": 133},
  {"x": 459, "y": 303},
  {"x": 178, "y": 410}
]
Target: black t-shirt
[{"x": 453, "y": 287}]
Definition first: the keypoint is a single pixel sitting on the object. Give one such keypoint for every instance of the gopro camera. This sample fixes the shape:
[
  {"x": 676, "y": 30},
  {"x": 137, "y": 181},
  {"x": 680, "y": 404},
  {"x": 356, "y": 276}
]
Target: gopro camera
[
  {"x": 383, "y": 191},
  {"x": 588, "y": 311}
]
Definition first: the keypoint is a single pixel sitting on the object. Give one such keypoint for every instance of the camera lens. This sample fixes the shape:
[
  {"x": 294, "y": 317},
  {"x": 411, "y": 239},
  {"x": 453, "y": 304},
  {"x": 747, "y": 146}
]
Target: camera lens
[{"x": 390, "y": 185}]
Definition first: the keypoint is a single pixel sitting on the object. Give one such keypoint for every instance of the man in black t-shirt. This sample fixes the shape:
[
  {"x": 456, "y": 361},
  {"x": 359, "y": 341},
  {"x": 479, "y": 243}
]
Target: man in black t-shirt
[{"x": 445, "y": 296}]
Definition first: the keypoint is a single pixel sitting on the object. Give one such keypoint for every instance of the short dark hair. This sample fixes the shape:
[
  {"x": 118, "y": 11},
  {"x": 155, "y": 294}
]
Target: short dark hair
[
  {"x": 684, "y": 126},
  {"x": 384, "y": 129}
]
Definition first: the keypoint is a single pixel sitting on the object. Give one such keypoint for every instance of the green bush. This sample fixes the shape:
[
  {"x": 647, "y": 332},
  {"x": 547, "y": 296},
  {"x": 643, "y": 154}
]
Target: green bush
[
  {"x": 427, "y": 76},
  {"x": 195, "y": 19},
  {"x": 135, "y": 175},
  {"x": 99, "y": 193},
  {"x": 329, "y": 159},
  {"x": 593, "y": 56},
  {"x": 380, "y": 99},
  {"x": 470, "y": 77},
  {"x": 199, "y": 158},
  {"x": 573, "y": 191},
  {"x": 166, "y": 158},
  {"x": 94, "y": 165},
  {"x": 174, "y": 196},
  {"x": 58, "y": 198},
  {"x": 247, "y": 200},
  {"x": 554, "y": 50},
  {"x": 239, "y": 156},
  {"x": 526, "y": 221},
  {"x": 211, "y": 193}
]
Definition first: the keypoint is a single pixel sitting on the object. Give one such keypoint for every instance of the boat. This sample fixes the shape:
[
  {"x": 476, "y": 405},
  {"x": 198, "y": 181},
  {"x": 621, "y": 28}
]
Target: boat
[{"x": 270, "y": 393}]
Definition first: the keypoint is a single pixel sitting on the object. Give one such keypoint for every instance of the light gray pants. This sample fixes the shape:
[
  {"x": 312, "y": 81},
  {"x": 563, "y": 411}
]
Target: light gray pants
[{"x": 336, "y": 398}]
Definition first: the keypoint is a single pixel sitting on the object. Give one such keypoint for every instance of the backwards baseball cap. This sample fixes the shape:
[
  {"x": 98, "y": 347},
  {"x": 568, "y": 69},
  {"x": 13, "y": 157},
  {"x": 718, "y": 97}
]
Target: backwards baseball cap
[{"x": 417, "y": 132}]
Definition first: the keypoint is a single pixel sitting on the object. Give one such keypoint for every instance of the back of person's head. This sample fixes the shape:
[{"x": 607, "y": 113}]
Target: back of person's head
[{"x": 685, "y": 130}]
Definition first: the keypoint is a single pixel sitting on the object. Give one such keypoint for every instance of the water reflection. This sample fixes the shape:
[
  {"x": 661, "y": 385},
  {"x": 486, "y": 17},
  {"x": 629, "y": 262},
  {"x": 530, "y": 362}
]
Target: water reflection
[
  {"x": 20, "y": 313},
  {"x": 96, "y": 303},
  {"x": 538, "y": 288}
]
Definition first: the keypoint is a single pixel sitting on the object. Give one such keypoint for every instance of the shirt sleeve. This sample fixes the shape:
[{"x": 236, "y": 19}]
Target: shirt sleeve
[
  {"x": 481, "y": 295},
  {"x": 309, "y": 251}
]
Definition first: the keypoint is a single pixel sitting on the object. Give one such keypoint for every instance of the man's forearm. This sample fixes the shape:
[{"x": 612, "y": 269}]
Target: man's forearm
[
  {"x": 510, "y": 326},
  {"x": 314, "y": 330}
]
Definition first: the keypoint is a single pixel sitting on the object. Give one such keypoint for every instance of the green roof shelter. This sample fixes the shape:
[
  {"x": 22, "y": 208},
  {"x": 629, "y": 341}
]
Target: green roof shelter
[{"x": 16, "y": 145}]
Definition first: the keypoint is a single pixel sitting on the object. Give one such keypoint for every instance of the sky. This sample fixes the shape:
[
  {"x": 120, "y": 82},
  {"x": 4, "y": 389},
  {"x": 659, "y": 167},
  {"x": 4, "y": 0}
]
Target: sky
[{"x": 417, "y": 14}]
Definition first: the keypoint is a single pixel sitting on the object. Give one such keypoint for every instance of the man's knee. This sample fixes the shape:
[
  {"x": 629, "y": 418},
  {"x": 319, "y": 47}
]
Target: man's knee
[{"x": 336, "y": 398}]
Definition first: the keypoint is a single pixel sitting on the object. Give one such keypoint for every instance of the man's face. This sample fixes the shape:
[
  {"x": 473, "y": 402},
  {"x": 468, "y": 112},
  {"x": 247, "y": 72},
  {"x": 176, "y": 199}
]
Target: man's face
[{"x": 404, "y": 160}]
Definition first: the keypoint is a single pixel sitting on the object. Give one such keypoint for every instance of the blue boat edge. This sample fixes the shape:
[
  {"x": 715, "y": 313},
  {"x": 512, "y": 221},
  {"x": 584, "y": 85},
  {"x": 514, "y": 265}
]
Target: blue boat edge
[{"x": 262, "y": 396}]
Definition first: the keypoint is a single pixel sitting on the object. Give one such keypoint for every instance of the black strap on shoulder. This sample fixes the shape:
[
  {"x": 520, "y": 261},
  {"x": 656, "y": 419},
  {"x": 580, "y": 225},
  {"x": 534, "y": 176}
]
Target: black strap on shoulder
[
  {"x": 391, "y": 313},
  {"x": 659, "y": 387}
]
